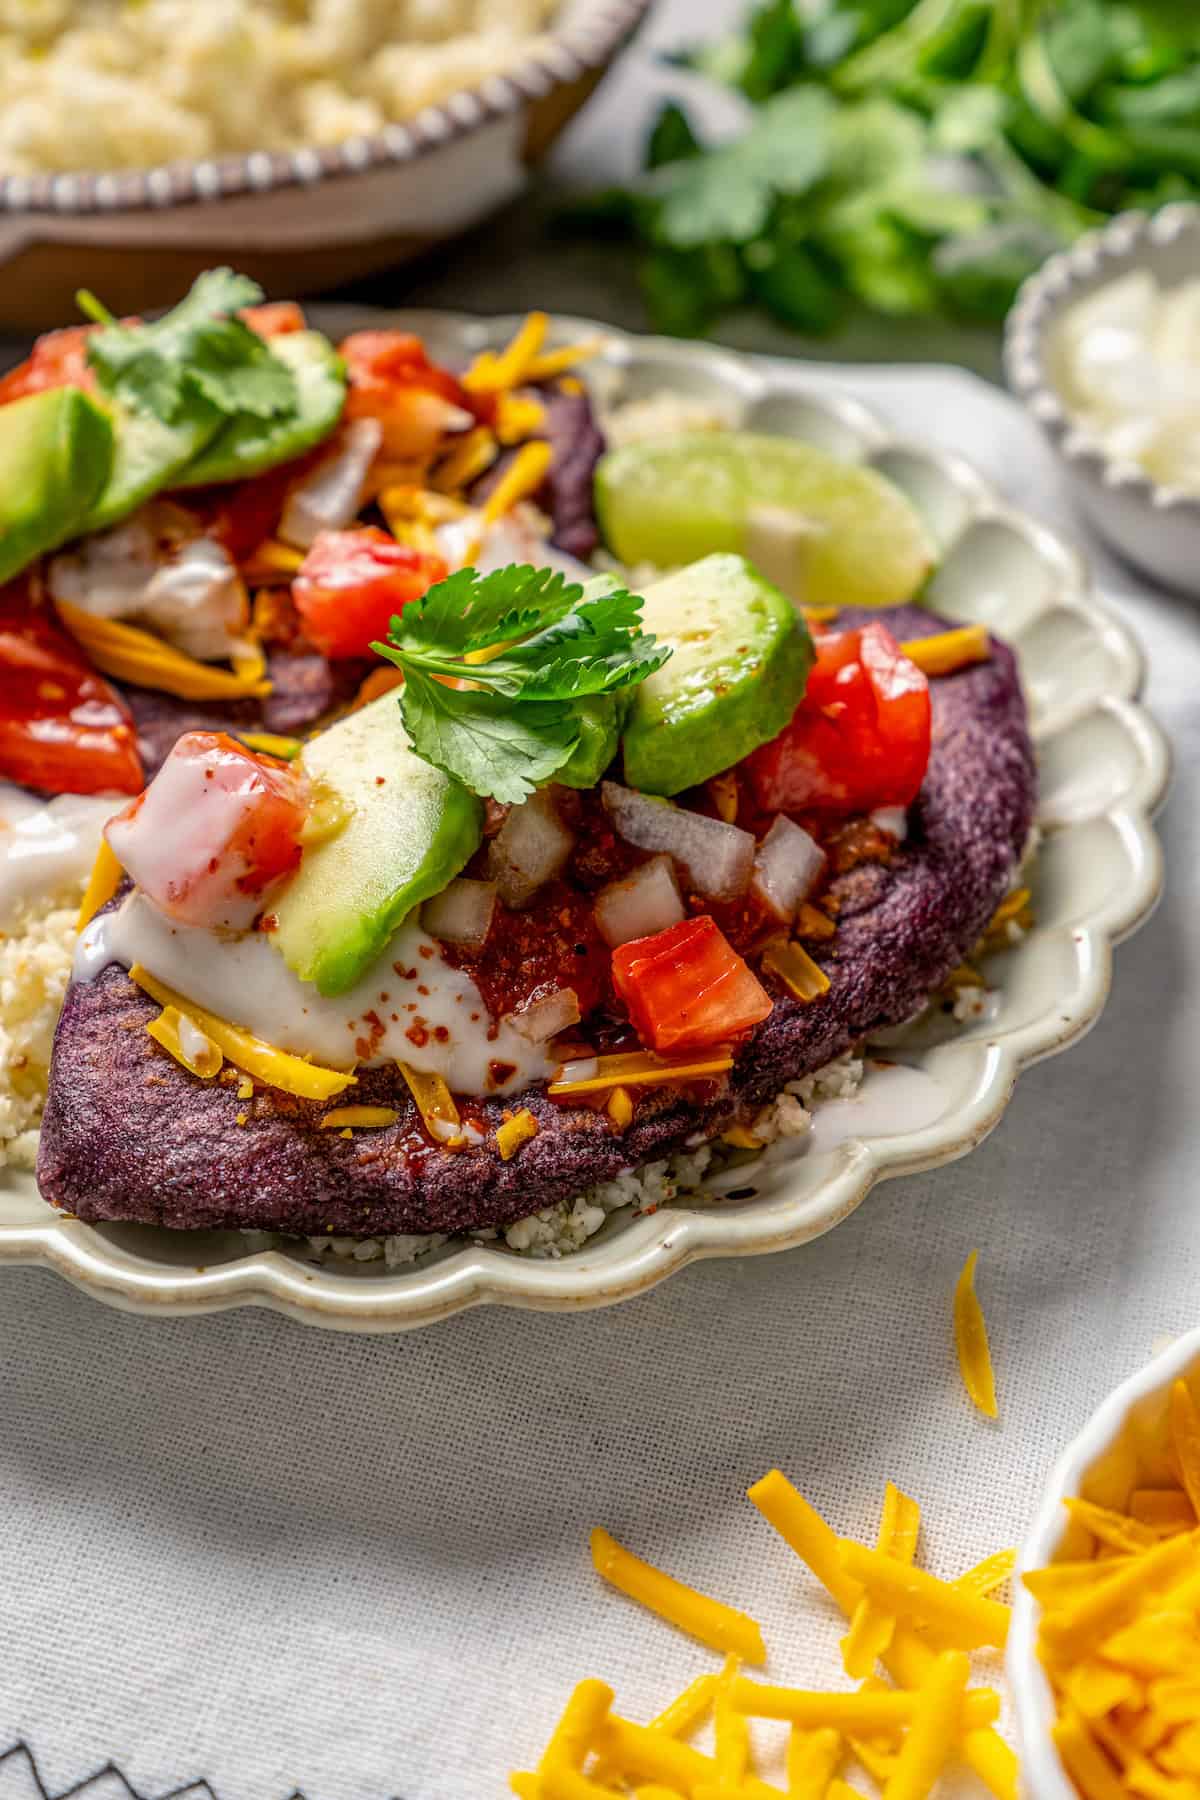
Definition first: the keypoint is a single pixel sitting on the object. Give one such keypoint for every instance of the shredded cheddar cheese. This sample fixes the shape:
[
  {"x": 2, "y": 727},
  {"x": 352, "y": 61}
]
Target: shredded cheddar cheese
[
  {"x": 619, "y": 1107},
  {"x": 715, "y": 1624},
  {"x": 518, "y": 416},
  {"x": 1119, "y": 1636},
  {"x": 740, "y": 1137},
  {"x": 472, "y": 456},
  {"x": 871, "y": 1627},
  {"x": 903, "y": 1735},
  {"x": 948, "y": 651},
  {"x": 514, "y": 1132},
  {"x": 103, "y": 883},
  {"x": 185, "y": 1041},
  {"x": 795, "y": 968},
  {"x": 961, "y": 1619},
  {"x": 523, "y": 477},
  {"x": 137, "y": 656},
  {"x": 493, "y": 371},
  {"x": 971, "y": 1341},
  {"x": 435, "y": 1103},
  {"x": 276, "y": 1068},
  {"x": 641, "y": 1068},
  {"x": 271, "y": 561},
  {"x": 360, "y": 1118},
  {"x": 549, "y": 363}
]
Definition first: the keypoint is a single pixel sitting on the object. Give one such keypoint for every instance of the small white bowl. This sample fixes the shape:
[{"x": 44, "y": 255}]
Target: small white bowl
[
  {"x": 1154, "y": 527},
  {"x": 1122, "y": 1446}
]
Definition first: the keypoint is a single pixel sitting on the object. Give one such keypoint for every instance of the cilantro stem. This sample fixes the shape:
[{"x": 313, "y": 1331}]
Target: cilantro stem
[{"x": 92, "y": 308}]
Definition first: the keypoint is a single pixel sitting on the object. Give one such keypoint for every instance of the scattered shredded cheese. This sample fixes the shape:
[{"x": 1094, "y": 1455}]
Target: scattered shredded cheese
[
  {"x": 903, "y": 1735},
  {"x": 740, "y": 1137},
  {"x": 518, "y": 416},
  {"x": 962, "y": 1620},
  {"x": 272, "y": 560},
  {"x": 103, "y": 883},
  {"x": 435, "y": 1103},
  {"x": 641, "y": 1068},
  {"x": 619, "y": 1108},
  {"x": 130, "y": 654},
  {"x": 472, "y": 456},
  {"x": 186, "y": 1042},
  {"x": 795, "y": 968},
  {"x": 549, "y": 363},
  {"x": 514, "y": 1132},
  {"x": 362, "y": 1118},
  {"x": 971, "y": 1341},
  {"x": 715, "y": 1624},
  {"x": 947, "y": 651},
  {"x": 871, "y": 1626},
  {"x": 276, "y": 1068},
  {"x": 522, "y": 479}
]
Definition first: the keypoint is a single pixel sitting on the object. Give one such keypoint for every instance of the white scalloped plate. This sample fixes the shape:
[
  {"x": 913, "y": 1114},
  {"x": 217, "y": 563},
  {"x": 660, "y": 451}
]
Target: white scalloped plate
[{"x": 1104, "y": 767}]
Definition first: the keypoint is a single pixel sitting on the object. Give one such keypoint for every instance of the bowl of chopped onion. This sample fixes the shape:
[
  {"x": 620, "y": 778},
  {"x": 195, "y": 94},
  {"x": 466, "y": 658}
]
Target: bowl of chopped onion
[
  {"x": 1104, "y": 1650},
  {"x": 144, "y": 144},
  {"x": 1103, "y": 347}
]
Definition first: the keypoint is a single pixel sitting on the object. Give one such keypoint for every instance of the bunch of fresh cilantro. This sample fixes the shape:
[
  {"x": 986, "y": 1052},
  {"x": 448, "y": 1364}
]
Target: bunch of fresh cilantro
[
  {"x": 536, "y": 650},
  {"x": 920, "y": 158}
]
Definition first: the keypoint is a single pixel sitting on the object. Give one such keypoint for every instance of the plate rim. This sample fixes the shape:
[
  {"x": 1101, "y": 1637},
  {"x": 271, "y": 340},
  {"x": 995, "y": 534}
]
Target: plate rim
[{"x": 656, "y": 1246}]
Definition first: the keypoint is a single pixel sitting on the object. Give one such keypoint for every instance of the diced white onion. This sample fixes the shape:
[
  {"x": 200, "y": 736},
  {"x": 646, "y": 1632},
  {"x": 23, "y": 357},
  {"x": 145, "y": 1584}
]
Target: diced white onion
[
  {"x": 646, "y": 901},
  {"x": 893, "y": 820},
  {"x": 545, "y": 1017},
  {"x": 461, "y": 913},
  {"x": 330, "y": 495},
  {"x": 787, "y": 867},
  {"x": 718, "y": 859},
  {"x": 530, "y": 848},
  {"x": 584, "y": 1068}
]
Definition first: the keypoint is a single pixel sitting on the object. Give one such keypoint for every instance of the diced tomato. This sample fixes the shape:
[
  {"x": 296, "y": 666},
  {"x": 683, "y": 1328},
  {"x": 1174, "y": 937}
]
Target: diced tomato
[
  {"x": 859, "y": 738},
  {"x": 63, "y": 729},
  {"x": 59, "y": 359},
  {"x": 215, "y": 829},
  {"x": 392, "y": 380},
  {"x": 686, "y": 988},
  {"x": 351, "y": 582},
  {"x": 275, "y": 318}
]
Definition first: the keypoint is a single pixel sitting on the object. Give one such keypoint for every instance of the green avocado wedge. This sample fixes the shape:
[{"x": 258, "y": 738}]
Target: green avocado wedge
[
  {"x": 740, "y": 660},
  {"x": 247, "y": 446},
  {"x": 409, "y": 833},
  {"x": 56, "y": 454},
  {"x": 600, "y": 719},
  {"x": 826, "y": 531},
  {"x": 149, "y": 456}
]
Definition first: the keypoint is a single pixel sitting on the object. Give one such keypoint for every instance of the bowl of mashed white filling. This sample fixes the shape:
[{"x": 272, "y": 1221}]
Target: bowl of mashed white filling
[
  {"x": 309, "y": 142},
  {"x": 1103, "y": 346}
]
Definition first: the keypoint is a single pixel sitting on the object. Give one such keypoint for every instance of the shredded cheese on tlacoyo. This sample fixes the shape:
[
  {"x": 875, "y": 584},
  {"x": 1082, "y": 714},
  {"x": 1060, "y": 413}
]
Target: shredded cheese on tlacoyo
[
  {"x": 361, "y": 1118},
  {"x": 641, "y": 1068},
  {"x": 948, "y": 651},
  {"x": 103, "y": 883},
  {"x": 795, "y": 968},
  {"x": 130, "y": 654},
  {"x": 971, "y": 1341},
  {"x": 277, "y": 1068},
  {"x": 514, "y": 1132},
  {"x": 436, "y": 1105},
  {"x": 903, "y": 1735},
  {"x": 1120, "y": 1631},
  {"x": 185, "y": 1041}
]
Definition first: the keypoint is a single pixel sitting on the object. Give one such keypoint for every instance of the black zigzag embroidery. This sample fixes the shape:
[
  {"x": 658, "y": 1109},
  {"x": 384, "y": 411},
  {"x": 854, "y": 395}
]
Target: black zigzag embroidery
[{"x": 200, "y": 1789}]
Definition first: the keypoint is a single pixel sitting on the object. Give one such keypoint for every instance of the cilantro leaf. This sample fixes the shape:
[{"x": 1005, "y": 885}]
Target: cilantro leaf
[
  {"x": 490, "y": 746},
  {"x": 199, "y": 352},
  {"x": 469, "y": 612},
  {"x": 556, "y": 645},
  {"x": 727, "y": 195}
]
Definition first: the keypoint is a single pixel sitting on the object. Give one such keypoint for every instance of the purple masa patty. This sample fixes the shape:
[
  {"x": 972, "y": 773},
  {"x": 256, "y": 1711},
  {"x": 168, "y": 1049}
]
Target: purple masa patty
[{"x": 129, "y": 1134}]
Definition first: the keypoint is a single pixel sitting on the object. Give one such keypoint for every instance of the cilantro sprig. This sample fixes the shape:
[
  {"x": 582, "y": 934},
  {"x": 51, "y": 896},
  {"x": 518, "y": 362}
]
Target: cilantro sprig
[
  {"x": 532, "y": 645},
  {"x": 200, "y": 354}
]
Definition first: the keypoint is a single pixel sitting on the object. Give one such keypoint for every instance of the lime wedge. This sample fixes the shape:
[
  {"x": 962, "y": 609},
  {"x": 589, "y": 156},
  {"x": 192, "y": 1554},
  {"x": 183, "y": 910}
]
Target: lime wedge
[{"x": 828, "y": 533}]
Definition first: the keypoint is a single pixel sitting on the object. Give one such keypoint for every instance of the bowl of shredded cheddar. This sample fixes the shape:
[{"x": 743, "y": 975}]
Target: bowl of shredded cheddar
[{"x": 1104, "y": 1652}]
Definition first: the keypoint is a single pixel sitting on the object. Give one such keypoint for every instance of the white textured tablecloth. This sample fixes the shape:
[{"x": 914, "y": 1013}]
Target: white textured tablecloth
[{"x": 274, "y": 1558}]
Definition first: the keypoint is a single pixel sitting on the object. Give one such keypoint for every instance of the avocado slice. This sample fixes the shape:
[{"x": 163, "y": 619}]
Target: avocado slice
[
  {"x": 56, "y": 454},
  {"x": 247, "y": 445},
  {"x": 410, "y": 832},
  {"x": 149, "y": 456},
  {"x": 600, "y": 717},
  {"x": 740, "y": 660},
  {"x": 828, "y": 531}
]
